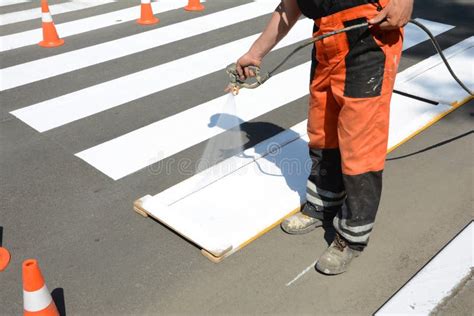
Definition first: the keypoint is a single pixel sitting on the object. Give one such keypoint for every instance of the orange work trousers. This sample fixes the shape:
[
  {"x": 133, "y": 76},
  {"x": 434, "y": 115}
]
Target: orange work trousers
[{"x": 352, "y": 79}]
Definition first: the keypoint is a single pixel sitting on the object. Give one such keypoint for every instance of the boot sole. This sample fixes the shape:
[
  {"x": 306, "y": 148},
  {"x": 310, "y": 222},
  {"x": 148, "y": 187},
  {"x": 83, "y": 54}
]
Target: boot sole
[
  {"x": 328, "y": 272},
  {"x": 303, "y": 230}
]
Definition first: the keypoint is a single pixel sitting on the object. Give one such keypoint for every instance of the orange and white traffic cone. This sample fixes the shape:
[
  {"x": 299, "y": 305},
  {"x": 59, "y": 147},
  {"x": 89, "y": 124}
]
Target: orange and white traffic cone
[
  {"x": 36, "y": 298},
  {"x": 50, "y": 35},
  {"x": 147, "y": 17},
  {"x": 4, "y": 258},
  {"x": 194, "y": 5}
]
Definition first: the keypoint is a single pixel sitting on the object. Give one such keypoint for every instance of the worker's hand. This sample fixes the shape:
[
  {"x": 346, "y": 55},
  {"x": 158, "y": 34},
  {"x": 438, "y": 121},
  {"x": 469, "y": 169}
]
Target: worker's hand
[
  {"x": 242, "y": 65},
  {"x": 243, "y": 70},
  {"x": 396, "y": 14}
]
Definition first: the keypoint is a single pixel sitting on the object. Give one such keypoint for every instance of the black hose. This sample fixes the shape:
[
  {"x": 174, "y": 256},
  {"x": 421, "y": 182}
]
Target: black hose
[{"x": 365, "y": 24}]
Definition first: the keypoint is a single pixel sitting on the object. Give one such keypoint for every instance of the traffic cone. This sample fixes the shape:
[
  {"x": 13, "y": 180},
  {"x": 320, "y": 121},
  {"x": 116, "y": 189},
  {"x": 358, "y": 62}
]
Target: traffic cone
[
  {"x": 50, "y": 36},
  {"x": 147, "y": 16},
  {"x": 36, "y": 298},
  {"x": 194, "y": 5},
  {"x": 4, "y": 258}
]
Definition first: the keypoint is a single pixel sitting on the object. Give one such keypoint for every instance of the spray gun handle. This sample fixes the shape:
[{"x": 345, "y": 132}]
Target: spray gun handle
[
  {"x": 237, "y": 83},
  {"x": 260, "y": 79}
]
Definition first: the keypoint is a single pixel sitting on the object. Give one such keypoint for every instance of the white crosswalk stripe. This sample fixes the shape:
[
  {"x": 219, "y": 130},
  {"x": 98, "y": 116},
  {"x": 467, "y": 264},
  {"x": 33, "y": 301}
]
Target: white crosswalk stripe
[
  {"x": 47, "y": 67},
  {"x": 5, "y": 3},
  {"x": 31, "y": 14},
  {"x": 416, "y": 36}
]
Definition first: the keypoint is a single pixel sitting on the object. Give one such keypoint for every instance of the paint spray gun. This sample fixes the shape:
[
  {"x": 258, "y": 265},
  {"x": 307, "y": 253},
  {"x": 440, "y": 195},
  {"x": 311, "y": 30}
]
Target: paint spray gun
[{"x": 235, "y": 83}]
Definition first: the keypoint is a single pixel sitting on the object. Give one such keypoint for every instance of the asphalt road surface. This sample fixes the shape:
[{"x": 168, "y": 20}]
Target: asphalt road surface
[{"x": 100, "y": 258}]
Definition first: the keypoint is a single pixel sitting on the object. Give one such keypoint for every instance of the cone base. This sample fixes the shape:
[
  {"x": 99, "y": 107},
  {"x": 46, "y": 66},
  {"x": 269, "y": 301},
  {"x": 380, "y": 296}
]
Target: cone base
[
  {"x": 50, "y": 44},
  {"x": 4, "y": 258},
  {"x": 198, "y": 7},
  {"x": 148, "y": 21},
  {"x": 51, "y": 310}
]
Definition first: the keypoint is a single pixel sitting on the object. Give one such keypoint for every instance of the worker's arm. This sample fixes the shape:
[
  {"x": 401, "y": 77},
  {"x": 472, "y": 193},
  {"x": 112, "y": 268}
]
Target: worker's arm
[
  {"x": 282, "y": 20},
  {"x": 396, "y": 14}
]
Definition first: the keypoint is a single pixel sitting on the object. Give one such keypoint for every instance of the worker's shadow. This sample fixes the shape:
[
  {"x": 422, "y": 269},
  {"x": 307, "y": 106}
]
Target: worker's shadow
[{"x": 292, "y": 165}]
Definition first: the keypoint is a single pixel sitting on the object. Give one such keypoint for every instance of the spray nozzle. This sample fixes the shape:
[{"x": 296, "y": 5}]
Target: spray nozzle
[{"x": 236, "y": 84}]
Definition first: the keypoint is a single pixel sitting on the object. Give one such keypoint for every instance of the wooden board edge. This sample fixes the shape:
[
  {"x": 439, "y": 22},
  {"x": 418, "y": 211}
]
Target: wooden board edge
[
  {"x": 211, "y": 257},
  {"x": 138, "y": 207},
  {"x": 457, "y": 104},
  {"x": 217, "y": 256},
  {"x": 269, "y": 228},
  {"x": 214, "y": 256},
  {"x": 217, "y": 259}
]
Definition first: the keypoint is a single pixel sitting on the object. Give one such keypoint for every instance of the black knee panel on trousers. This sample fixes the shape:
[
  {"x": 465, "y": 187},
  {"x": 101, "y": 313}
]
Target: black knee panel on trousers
[{"x": 356, "y": 217}]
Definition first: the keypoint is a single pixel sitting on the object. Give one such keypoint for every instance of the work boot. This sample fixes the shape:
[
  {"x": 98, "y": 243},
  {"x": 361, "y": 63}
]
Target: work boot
[
  {"x": 300, "y": 224},
  {"x": 337, "y": 257}
]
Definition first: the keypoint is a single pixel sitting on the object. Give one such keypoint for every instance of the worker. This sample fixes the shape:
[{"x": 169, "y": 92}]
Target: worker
[{"x": 352, "y": 79}]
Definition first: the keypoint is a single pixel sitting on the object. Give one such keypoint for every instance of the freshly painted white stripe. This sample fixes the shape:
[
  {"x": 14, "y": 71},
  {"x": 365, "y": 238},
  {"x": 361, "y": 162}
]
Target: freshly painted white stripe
[
  {"x": 436, "y": 280},
  {"x": 46, "y": 17},
  {"x": 96, "y": 22},
  {"x": 311, "y": 266},
  {"x": 47, "y": 67},
  {"x": 68, "y": 108},
  {"x": 430, "y": 78},
  {"x": 35, "y": 13},
  {"x": 4, "y": 3},
  {"x": 37, "y": 300},
  {"x": 153, "y": 143},
  {"x": 417, "y": 35}
]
